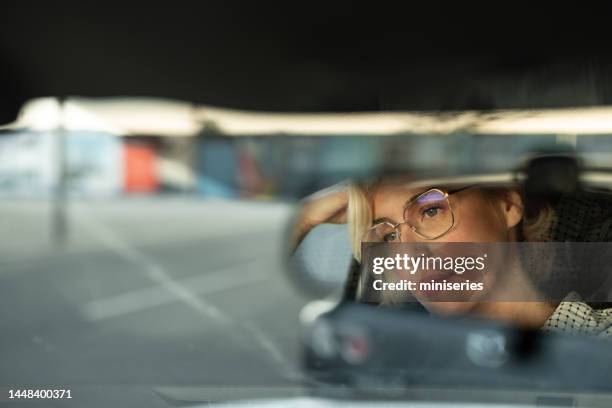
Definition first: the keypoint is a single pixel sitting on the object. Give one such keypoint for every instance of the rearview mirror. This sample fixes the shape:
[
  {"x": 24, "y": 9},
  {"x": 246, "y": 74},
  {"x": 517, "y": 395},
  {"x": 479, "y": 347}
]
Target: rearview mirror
[{"x": 325, "y": 252}]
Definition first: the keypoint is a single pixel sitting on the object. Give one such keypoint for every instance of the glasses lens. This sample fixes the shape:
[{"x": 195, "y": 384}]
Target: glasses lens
[
  {"x": 383, "y": 232},
  {"x": 430, "y": 214}
]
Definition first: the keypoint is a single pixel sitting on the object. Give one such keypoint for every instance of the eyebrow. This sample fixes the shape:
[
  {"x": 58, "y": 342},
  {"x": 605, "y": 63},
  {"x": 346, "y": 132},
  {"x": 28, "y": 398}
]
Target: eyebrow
[
  {"x": 385, "y": 219},
  {"x": 414, "y": 197}
]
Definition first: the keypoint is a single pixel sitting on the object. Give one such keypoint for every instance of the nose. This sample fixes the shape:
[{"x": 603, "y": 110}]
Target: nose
[{"x": 407, "y": 234}]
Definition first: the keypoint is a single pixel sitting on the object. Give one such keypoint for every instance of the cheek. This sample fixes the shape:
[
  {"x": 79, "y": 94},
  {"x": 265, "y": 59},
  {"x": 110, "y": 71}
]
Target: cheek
[{"x": 479, "y": 225}]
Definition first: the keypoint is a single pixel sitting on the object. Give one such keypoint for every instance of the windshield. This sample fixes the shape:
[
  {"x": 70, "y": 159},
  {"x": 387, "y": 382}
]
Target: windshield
[
  {"x": 158, "y": 259},
  {"x": 222, "y": 205}
]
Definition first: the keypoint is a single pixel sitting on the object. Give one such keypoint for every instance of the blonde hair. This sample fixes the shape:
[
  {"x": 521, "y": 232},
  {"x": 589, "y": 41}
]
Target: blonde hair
[{"x": 358, "y": 217}]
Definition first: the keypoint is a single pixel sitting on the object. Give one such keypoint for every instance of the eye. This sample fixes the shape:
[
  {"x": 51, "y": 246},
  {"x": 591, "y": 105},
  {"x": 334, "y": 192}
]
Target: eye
[
  {"x": 391, "y": 237},
  {"x": 431, "y": 211}
]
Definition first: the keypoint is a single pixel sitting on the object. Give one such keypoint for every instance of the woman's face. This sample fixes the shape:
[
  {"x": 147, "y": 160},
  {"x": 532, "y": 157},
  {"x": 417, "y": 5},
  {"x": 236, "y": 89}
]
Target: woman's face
[{"x": 478, "y": 217}]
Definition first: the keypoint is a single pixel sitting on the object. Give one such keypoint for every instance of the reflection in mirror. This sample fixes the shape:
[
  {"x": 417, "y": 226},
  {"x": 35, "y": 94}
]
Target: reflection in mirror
[{"x": 537, "y": 258}]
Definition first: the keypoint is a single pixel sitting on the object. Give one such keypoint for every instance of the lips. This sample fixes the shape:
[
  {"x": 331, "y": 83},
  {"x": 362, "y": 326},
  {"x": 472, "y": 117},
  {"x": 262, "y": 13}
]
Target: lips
[
  {"x": 441, "y": 295},
  {"x": 437, "y": 276}
]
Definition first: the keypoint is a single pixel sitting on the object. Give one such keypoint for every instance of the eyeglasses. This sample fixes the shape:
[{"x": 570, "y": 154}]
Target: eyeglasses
[{"x": 429, "y": 215}]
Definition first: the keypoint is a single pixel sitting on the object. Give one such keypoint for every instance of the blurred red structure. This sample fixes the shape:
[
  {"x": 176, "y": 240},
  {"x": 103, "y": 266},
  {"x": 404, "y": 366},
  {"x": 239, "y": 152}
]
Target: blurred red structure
[{"x": 140, "y": 173}]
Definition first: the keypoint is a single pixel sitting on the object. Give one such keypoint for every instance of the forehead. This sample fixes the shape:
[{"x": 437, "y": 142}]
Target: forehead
[
  {"x": 388, "y": 200},
  {"x": 388, "y": 190}
]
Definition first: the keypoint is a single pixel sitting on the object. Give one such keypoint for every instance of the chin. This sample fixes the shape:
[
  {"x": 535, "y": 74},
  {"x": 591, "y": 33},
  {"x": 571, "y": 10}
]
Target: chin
[{"x": 449, "y": 308}]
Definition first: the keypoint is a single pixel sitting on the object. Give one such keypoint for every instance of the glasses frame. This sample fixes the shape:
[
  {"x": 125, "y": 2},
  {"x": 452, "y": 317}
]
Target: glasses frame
[{"x": 444, "y": 193}]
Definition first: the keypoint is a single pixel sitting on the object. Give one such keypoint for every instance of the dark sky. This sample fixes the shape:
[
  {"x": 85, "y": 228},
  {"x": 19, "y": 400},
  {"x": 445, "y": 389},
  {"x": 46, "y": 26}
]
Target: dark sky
[{"x": 290, "y": 56}]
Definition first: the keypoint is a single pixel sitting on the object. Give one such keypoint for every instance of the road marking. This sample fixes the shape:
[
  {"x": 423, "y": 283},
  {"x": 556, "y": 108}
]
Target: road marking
[
  {"x": 154, "y": 271},
  {"x": 146, "y": 298},
  {"x": 33, "y": 258},
  {"x": 158, "y": 275},
  {"x": 267, "y": 344}
]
